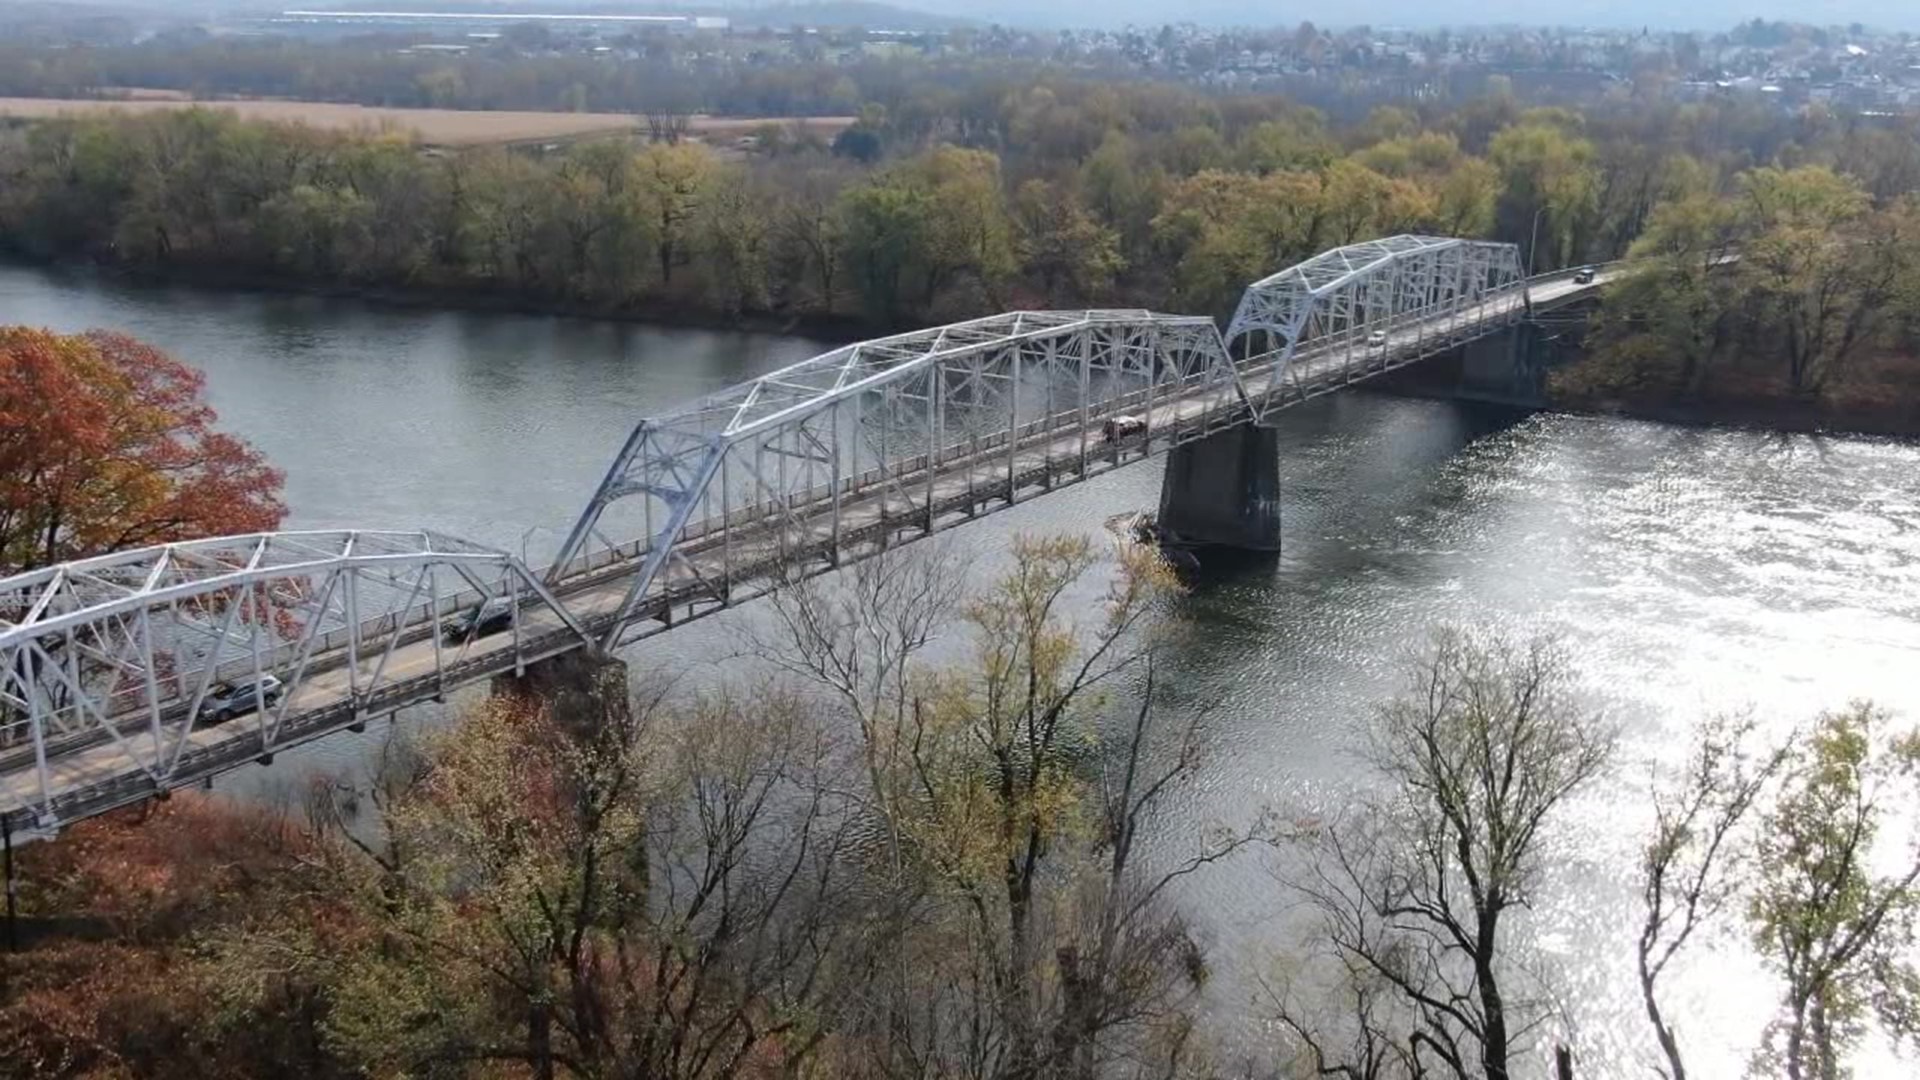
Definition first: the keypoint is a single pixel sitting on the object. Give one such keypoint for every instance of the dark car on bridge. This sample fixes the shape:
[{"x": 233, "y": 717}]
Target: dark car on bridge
[
  {"x": 1122, "y": 427},
  {"x": 1584, "y": 275},
  {"x": 239, "y": 697},
  {"x": 493, "y": 614}
]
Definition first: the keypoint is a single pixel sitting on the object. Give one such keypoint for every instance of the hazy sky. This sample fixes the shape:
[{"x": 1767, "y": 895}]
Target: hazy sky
[{"x": 1696, "y": 14}]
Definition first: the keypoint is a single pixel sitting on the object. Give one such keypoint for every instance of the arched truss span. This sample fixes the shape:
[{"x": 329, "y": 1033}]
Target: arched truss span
[
  {"x": 845, "y": 451},
  {"x": 1353, "y": 312},
  {"x": 129, "y": 652}
]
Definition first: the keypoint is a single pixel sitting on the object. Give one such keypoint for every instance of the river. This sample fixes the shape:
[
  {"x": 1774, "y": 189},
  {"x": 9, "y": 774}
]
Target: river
[{"x": 1690, "y": 570}]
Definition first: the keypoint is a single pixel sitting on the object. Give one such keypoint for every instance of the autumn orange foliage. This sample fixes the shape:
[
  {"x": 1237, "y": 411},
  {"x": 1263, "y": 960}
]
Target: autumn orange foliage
[
  {"x": 106, "y": 443},
  {"x": 111, "y": 983}
]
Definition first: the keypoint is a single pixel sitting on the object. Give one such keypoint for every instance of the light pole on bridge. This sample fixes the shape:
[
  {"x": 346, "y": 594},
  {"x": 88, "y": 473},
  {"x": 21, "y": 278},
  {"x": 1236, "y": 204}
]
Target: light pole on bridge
[{"x": 1533, "y": 238}]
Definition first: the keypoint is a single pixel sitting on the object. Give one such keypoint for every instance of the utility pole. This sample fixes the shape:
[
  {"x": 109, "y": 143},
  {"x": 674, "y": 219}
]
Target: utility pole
[{"x": 1533, "y": 239}]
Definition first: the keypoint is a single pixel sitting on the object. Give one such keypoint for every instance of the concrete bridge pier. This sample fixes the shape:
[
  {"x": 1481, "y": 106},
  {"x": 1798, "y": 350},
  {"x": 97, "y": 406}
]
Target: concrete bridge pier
[{"x": 1224, "y": 490}]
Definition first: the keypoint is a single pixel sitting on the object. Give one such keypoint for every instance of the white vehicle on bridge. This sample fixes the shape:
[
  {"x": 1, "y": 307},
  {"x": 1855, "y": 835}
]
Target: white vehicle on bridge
[{"x": 1377, "y": 339}]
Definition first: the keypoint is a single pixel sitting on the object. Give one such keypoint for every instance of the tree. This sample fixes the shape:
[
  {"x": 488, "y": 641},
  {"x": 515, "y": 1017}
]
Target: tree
[
  {"x": 812, "y": 232},
  {"x": 1122, "y": 190},
  {"x": 1548, "y": 178},
  {"x": 1692, "y": 865},
  {"x": 1034, "y": 945},
  {"x": 1464, "y": 199},
  {"x": 1833, "y": 912},
  {"x": 1061, "y": 245},
  {"x": 674, "y": 181},
  {"x": 1818, "y": 268},
  {"x": 106, "y": 443},
  {"x": 927, "y": 226},
  {"x": 1412, "y": 887},
  {"x": 597, "y": 886},
  {"x": 734, "y": 231},
  {"x": 1670, "y": 320},
  {"x": 884, "y": 225}
]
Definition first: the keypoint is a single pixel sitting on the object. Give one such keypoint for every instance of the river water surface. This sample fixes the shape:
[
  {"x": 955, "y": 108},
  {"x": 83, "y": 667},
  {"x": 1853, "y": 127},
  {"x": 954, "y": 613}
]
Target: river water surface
[{"x": 1690, "y": 570}]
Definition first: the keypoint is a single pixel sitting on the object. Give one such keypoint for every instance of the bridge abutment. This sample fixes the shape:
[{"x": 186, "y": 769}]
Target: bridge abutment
[{"x": 1224, "y": 490}]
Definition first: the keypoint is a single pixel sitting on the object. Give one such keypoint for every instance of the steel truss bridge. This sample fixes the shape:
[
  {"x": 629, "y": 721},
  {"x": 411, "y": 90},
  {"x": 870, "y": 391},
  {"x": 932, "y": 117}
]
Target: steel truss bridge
[{"x": 107, "y": 665}]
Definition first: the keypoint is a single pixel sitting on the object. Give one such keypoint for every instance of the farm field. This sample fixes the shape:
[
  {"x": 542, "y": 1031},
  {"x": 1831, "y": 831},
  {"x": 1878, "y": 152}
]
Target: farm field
[{"x": 440, "y": 127}]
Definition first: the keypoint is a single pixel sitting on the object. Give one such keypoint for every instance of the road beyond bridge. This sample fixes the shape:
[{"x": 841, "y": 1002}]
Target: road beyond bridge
[{"x": 106, "y": 663}]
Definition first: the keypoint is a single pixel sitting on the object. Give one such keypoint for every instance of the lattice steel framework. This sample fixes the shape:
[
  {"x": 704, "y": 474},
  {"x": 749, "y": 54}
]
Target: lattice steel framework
[
  {"x": 841, "y": 453},
  {"x": 117, "y": 656},
  {"x": 1355, "y": 311},
  {"x": 107, "y": 664}
]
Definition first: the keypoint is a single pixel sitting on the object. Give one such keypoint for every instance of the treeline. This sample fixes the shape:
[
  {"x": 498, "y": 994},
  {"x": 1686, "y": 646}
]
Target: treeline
[
  {"x": 511, "y": 75},
  {"x": 1052, "y": 195},
  {"x": 1789, "y": 283},
  {"x": 886, "y": 867}
]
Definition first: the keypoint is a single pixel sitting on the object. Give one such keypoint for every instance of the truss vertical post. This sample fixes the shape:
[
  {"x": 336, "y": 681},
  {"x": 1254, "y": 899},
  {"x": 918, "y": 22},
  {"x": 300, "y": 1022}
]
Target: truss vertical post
[
  {"x": 853, "y": 452},
  {"x": 352, "y": 606},
  {"x": 726, "y": 527},
  {"x": 37, "y": 728},
  {"x": 513, "y": 607},
  {"x": 935, "y": 401},
  {"x": 153, "y": 684},
  {"x": 1153, "y": 375},
  {"x": 1052, "y": 364},
  {"x": 1013, "y": 419},
  {"x": 833, "y": 482},
  {"x": 1086, "y": 391},
  {"x": 439, "y": 659}
]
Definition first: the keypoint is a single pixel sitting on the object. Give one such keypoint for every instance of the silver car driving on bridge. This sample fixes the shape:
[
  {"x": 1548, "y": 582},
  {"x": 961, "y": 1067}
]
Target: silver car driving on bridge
[{"x": 239, "y": 697}]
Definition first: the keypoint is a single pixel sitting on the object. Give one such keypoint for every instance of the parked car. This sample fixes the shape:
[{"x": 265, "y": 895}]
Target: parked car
[
  {"x": 1122, "y": 427},
  {"x": 1377, "y": 339},
  {"x": 1584, "y": 275},
  {"x": 494, "y": 613},
  {"x": 238, "y": 698}
]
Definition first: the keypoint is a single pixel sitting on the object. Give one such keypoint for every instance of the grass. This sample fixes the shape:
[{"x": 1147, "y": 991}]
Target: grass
[{"x": 439, "y": 127}]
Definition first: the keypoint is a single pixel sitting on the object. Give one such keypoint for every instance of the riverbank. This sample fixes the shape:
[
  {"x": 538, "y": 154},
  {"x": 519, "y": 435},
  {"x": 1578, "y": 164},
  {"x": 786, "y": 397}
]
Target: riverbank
[
  {"x": 838, "y": 326},
  {"x": 1812, "y": 418},
  {"x": 1879, "y": 394},
  {"x": 1869, "y": 403}
]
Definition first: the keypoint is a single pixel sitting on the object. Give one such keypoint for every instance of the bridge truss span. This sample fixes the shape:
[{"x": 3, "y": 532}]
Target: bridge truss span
[
  {"x": 114, "y": 670},
  {"x": 1356, "y": 311},
  {"x": 134, "y": 657},
  {"x": 845, "y": 452}
]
